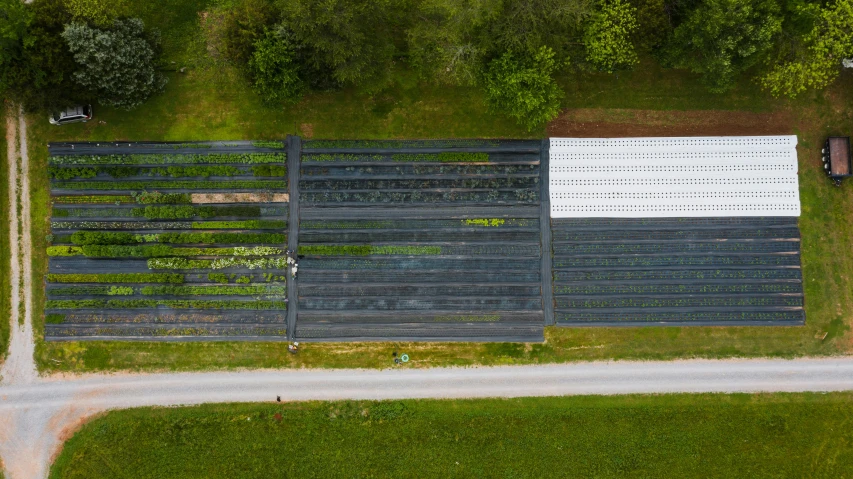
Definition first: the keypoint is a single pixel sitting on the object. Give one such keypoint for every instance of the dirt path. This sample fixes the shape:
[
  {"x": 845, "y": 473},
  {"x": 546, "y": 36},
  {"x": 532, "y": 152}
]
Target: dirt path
[
  {"x": 615, "y": 123},
  {"x": 19, "y": 366}
]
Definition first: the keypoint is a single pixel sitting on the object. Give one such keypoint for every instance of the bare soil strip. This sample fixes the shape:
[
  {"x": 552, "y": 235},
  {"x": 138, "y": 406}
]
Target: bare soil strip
[{"x": 213, "y": 198}]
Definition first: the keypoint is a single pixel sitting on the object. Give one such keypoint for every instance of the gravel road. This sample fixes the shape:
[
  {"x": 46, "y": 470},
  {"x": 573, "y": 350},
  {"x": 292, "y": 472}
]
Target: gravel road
[{"x": 36, "y": 417}]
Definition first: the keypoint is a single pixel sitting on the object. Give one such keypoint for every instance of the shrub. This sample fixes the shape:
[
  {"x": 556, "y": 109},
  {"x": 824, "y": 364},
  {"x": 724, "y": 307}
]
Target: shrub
[
  {"x": 54, "y": 318},
  {"x": 64, "y": 251},
  {"x": 172, "y": 278},
  {"x": 274, "y": 71},
  {"x": 196, "y": 170},
  {"x": 523, "y": 87},
  {"x": 146, "y": 198},
  {"x": 102, "y": 237},
  {"x": 116, "y": 64},
  {"x": 220, "y": 238},
  {"x": 269, "y": 170}
]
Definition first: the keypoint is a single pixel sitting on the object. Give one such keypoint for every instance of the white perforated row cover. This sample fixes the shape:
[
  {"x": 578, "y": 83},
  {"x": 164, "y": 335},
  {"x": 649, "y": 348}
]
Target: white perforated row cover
[{"x": 674, "y": 177}]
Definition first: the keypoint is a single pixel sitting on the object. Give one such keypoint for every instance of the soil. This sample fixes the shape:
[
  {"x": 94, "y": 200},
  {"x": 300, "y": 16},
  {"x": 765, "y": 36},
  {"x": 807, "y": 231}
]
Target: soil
[
  {"x": 212, "y": 198},
  {"x": 615, "y": 123}
]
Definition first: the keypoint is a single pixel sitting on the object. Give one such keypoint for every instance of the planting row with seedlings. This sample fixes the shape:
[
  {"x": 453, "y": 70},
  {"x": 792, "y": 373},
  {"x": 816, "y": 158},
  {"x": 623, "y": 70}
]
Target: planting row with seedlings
[
  {"x": 419, "y": 240},
  {"x": 713, "y": 271},
  {"x": 183, "y": 244}
]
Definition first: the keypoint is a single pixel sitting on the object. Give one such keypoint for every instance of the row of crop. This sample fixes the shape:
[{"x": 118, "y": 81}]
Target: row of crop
[
  {"x": 172, "y": 171},
  {"x": 166, "y": 331},
  {"x": 172, "y": 278},
  {"x": 418, "y": 169},
  {"x": 185, "y": 290},
  {"x": 168, "y": 316},
  {"x": 445, "y": 157},
  {"x": 403, "y": 184},
  {"x": 366, "y": 250},
  {"x": 188, "y": 185},
  {"x": 667, "y": 247},
  {"x": 169, "y": 303},
  {"x": 173, "y": 225},
  {"x": 419, "y": 224},
  {"x": 680, "y": 275},
  {"x": 166, "y": 159},
  {"x": 687, "y": 302},
  {"x": 82, "y": 238},
  {"x": 675, "y": 235},
  {"x": 157, "y": 251},
  {"x": 670, "y": 261},
  {"x": 652, "y": 316},
  {"x": 171, "y": 212},
  {"x": 219, "y": 263},
  {"x": 396, "y": 144},
  {"x": 439, "y": 196},
  {"x": 688, "y": 288}
]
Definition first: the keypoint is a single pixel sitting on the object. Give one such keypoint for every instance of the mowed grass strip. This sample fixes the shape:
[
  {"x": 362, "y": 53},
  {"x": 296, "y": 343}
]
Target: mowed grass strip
[{"x": 678, "y": 436}]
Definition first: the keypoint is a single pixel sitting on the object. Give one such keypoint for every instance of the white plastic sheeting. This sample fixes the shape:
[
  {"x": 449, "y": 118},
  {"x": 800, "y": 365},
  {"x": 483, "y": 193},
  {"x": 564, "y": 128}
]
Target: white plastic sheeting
[{"x": 674, "y": 177}]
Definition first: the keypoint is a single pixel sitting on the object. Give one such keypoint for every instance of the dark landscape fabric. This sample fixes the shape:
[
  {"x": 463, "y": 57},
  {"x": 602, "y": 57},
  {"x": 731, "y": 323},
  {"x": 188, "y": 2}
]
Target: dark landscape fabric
[
  {"x": 424, "y": 240},
  {"x": 677, "y": 271}
]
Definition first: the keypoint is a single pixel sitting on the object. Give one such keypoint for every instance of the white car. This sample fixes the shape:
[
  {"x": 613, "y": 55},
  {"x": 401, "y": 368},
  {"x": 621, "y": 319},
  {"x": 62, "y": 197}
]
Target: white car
[{"x": 75, "y": 114}]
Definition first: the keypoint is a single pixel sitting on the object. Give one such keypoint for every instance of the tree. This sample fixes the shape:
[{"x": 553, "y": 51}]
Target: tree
[
  {"x": 830, "y": 41},
  {"x": 608, "y": 36},
  {"x": 116, "y": 64},
  {"x": 36, "y": 70},
  {"x": 524, "y": 26},
  {"x": 445, "y": 43},
  {"x": 245, "y": 24},
  {"x": 722, "y": 38},
  {"x": 273, "y": 70},
  {"x": 15, "y": 21},
  {"x": 355, "y": 39},
  {"x": 100, "y": 12},
  {"x": 523, "y": 87}
]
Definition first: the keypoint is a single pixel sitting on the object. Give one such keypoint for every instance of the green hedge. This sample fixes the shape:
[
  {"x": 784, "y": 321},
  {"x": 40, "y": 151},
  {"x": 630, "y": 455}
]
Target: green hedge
[
  {"x": 64, "y": 251},
  {"x": 246, "y": 225},
  {"x": 170, "y": 212},
  {"x": 212, "y": 290},
  {"x": 269, "y": 170},
  {"x": 190, "y": 185},
  {"x": 165, "y": 159},
  {"x": 365, "y": 250},
  {"x": 102, "y": 238},
  {"x": 173, "y": 278},
  {"x": 154, "y": 197},
  {"x": 94, "y": 290},
  {"x": 170, "y": 303}
]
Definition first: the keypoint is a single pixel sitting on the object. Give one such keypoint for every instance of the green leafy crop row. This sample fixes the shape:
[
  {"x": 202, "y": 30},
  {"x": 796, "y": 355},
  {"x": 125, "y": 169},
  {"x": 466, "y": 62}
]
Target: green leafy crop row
[
  {"x": 365, "y": 250},
  {"x": 217, "y": 290},
  {"x": 165, "y": 159},
  {"x": 189, "y": 184},
  {"x": 447, "y": 157},
  {"x": 235, "y": 225},
  {"x": 170, "y": 303},
  {"x": 172, "y": 278}
]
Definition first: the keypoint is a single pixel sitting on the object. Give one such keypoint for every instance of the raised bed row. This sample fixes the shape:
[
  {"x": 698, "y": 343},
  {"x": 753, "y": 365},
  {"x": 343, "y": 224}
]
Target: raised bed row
[{"x": 680, "y": 271}]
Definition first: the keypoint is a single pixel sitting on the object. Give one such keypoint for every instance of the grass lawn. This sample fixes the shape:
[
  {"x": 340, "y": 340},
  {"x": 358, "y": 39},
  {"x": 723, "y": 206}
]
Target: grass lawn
[
  {"x": 213, "y": 101},
  {"x": 768, "y": 435},
  {"x": 5, "y": 249}
]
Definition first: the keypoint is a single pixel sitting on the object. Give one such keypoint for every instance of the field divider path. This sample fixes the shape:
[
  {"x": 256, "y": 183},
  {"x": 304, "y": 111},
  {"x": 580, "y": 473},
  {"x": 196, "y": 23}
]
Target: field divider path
[
  {"x": 547, "y": 279},
  {"x": 20, "y": 367},
  {"x": 294, "y": 154}
]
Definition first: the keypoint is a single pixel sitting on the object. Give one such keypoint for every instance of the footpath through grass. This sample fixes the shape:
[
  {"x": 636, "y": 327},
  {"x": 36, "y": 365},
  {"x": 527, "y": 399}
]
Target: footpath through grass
[
  {"x": 212, "y": 101},
  {"x": 679, "y": 436}
]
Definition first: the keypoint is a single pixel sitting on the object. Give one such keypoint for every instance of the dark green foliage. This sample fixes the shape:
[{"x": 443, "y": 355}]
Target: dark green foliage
[
  {"x": 102, "y": 237},
  {"x": 155, "y": 197},
  {"x": 54, "y": 318},
  {"x": 212, "y": 290},
  {"x": 120, "y": 251},
  {"x": 722, "y": 38},
  {"x": 196, "y": 171},
  {"x": 269, "y": 170},
  {"x": 116, "y": 64},
  {"x": 186, "y": 211},
  {"x": 245, "y": 24},
  {"x": 523, "y": 87},
  {"x": 173, "y": 278},
  {"x": 223, "y": 238},
  {"x": 36, "y": 66},
  {"x": 220, "y": 278},
  {"x": 58, "y": 213},
  {"x": 57, "y": 173},
  {"x": 274, "y": 71}
]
